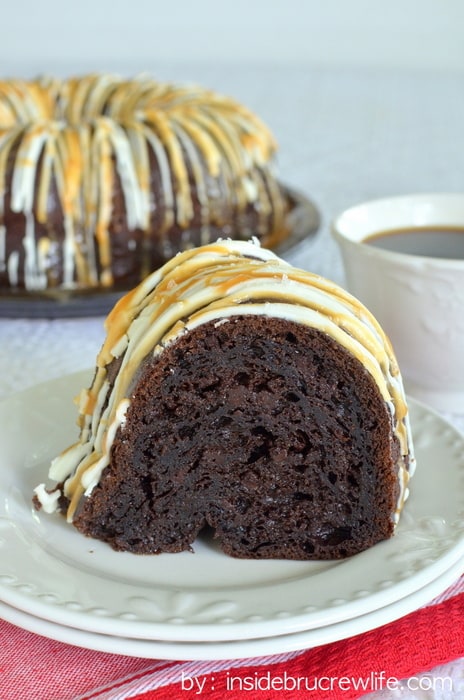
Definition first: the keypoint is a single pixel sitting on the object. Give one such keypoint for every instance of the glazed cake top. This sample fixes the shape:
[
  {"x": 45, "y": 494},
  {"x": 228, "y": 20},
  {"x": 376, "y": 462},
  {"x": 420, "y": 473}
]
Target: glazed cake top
[
  {"x": 74, "y": 132},
  {"x": 213, "y": 283}
]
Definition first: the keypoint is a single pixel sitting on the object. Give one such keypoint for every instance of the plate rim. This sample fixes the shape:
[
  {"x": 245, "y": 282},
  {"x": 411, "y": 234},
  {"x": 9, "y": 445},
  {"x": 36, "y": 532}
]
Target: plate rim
[{"x": 235, "y": 649}]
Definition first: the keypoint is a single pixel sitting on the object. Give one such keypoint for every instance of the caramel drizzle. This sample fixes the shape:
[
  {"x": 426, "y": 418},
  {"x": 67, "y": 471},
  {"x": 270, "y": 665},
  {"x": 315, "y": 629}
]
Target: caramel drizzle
[
  {"x": 76, "y": 132},
  {"x": 213, "y": 283}
]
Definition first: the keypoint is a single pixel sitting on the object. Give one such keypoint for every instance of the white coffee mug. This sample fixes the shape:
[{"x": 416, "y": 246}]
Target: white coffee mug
[{"x": 417, "y": 298}]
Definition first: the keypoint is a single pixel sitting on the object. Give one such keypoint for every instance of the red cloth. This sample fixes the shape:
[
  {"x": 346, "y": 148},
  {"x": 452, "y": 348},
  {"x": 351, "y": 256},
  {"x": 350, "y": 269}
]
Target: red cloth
[{"x": 33, "y": 667}]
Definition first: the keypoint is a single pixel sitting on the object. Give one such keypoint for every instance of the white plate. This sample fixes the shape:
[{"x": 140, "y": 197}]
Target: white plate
[
  {"x": 50, "y": 571},
  {"x": 241, "y": 649}
]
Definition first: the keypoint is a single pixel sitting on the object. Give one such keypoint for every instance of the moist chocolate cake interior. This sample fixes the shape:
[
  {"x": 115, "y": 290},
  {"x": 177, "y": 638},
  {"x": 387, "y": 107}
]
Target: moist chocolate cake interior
[{"x": 266, "y": 431}]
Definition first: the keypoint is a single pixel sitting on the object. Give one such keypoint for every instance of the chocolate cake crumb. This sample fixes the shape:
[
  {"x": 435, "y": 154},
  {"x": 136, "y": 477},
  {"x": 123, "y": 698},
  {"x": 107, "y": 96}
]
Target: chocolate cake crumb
[{"x": 262, "y": 429}]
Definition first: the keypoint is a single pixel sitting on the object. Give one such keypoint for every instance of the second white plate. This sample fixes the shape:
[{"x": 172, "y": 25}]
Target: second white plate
[
  {"x": 50, "y": 571},
  {"x": 240, "y": 649}
]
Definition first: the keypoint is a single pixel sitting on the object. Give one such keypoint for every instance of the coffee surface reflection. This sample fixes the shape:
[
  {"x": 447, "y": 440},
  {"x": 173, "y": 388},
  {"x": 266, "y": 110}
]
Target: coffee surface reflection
[{"x": 436, "y": 242}]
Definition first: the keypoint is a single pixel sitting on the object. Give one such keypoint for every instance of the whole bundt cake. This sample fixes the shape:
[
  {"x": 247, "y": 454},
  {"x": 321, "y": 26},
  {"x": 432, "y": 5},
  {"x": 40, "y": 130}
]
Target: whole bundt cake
[
  {"x": 238, "y": 393},
  {"x": 103, "y": 179}
]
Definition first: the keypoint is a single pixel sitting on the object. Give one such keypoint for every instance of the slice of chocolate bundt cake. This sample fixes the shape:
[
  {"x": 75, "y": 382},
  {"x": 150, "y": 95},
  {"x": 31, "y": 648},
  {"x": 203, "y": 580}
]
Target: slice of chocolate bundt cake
[{"x": 237, "y": 392}]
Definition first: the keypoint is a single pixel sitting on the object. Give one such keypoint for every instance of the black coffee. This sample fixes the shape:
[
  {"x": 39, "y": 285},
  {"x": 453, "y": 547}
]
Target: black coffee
[{"x": 437, "y": 242}]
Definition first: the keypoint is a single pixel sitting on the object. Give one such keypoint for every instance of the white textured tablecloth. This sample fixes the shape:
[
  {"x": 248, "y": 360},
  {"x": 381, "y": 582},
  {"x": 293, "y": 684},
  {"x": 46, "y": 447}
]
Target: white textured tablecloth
[{"x": 345, "y": 136}]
